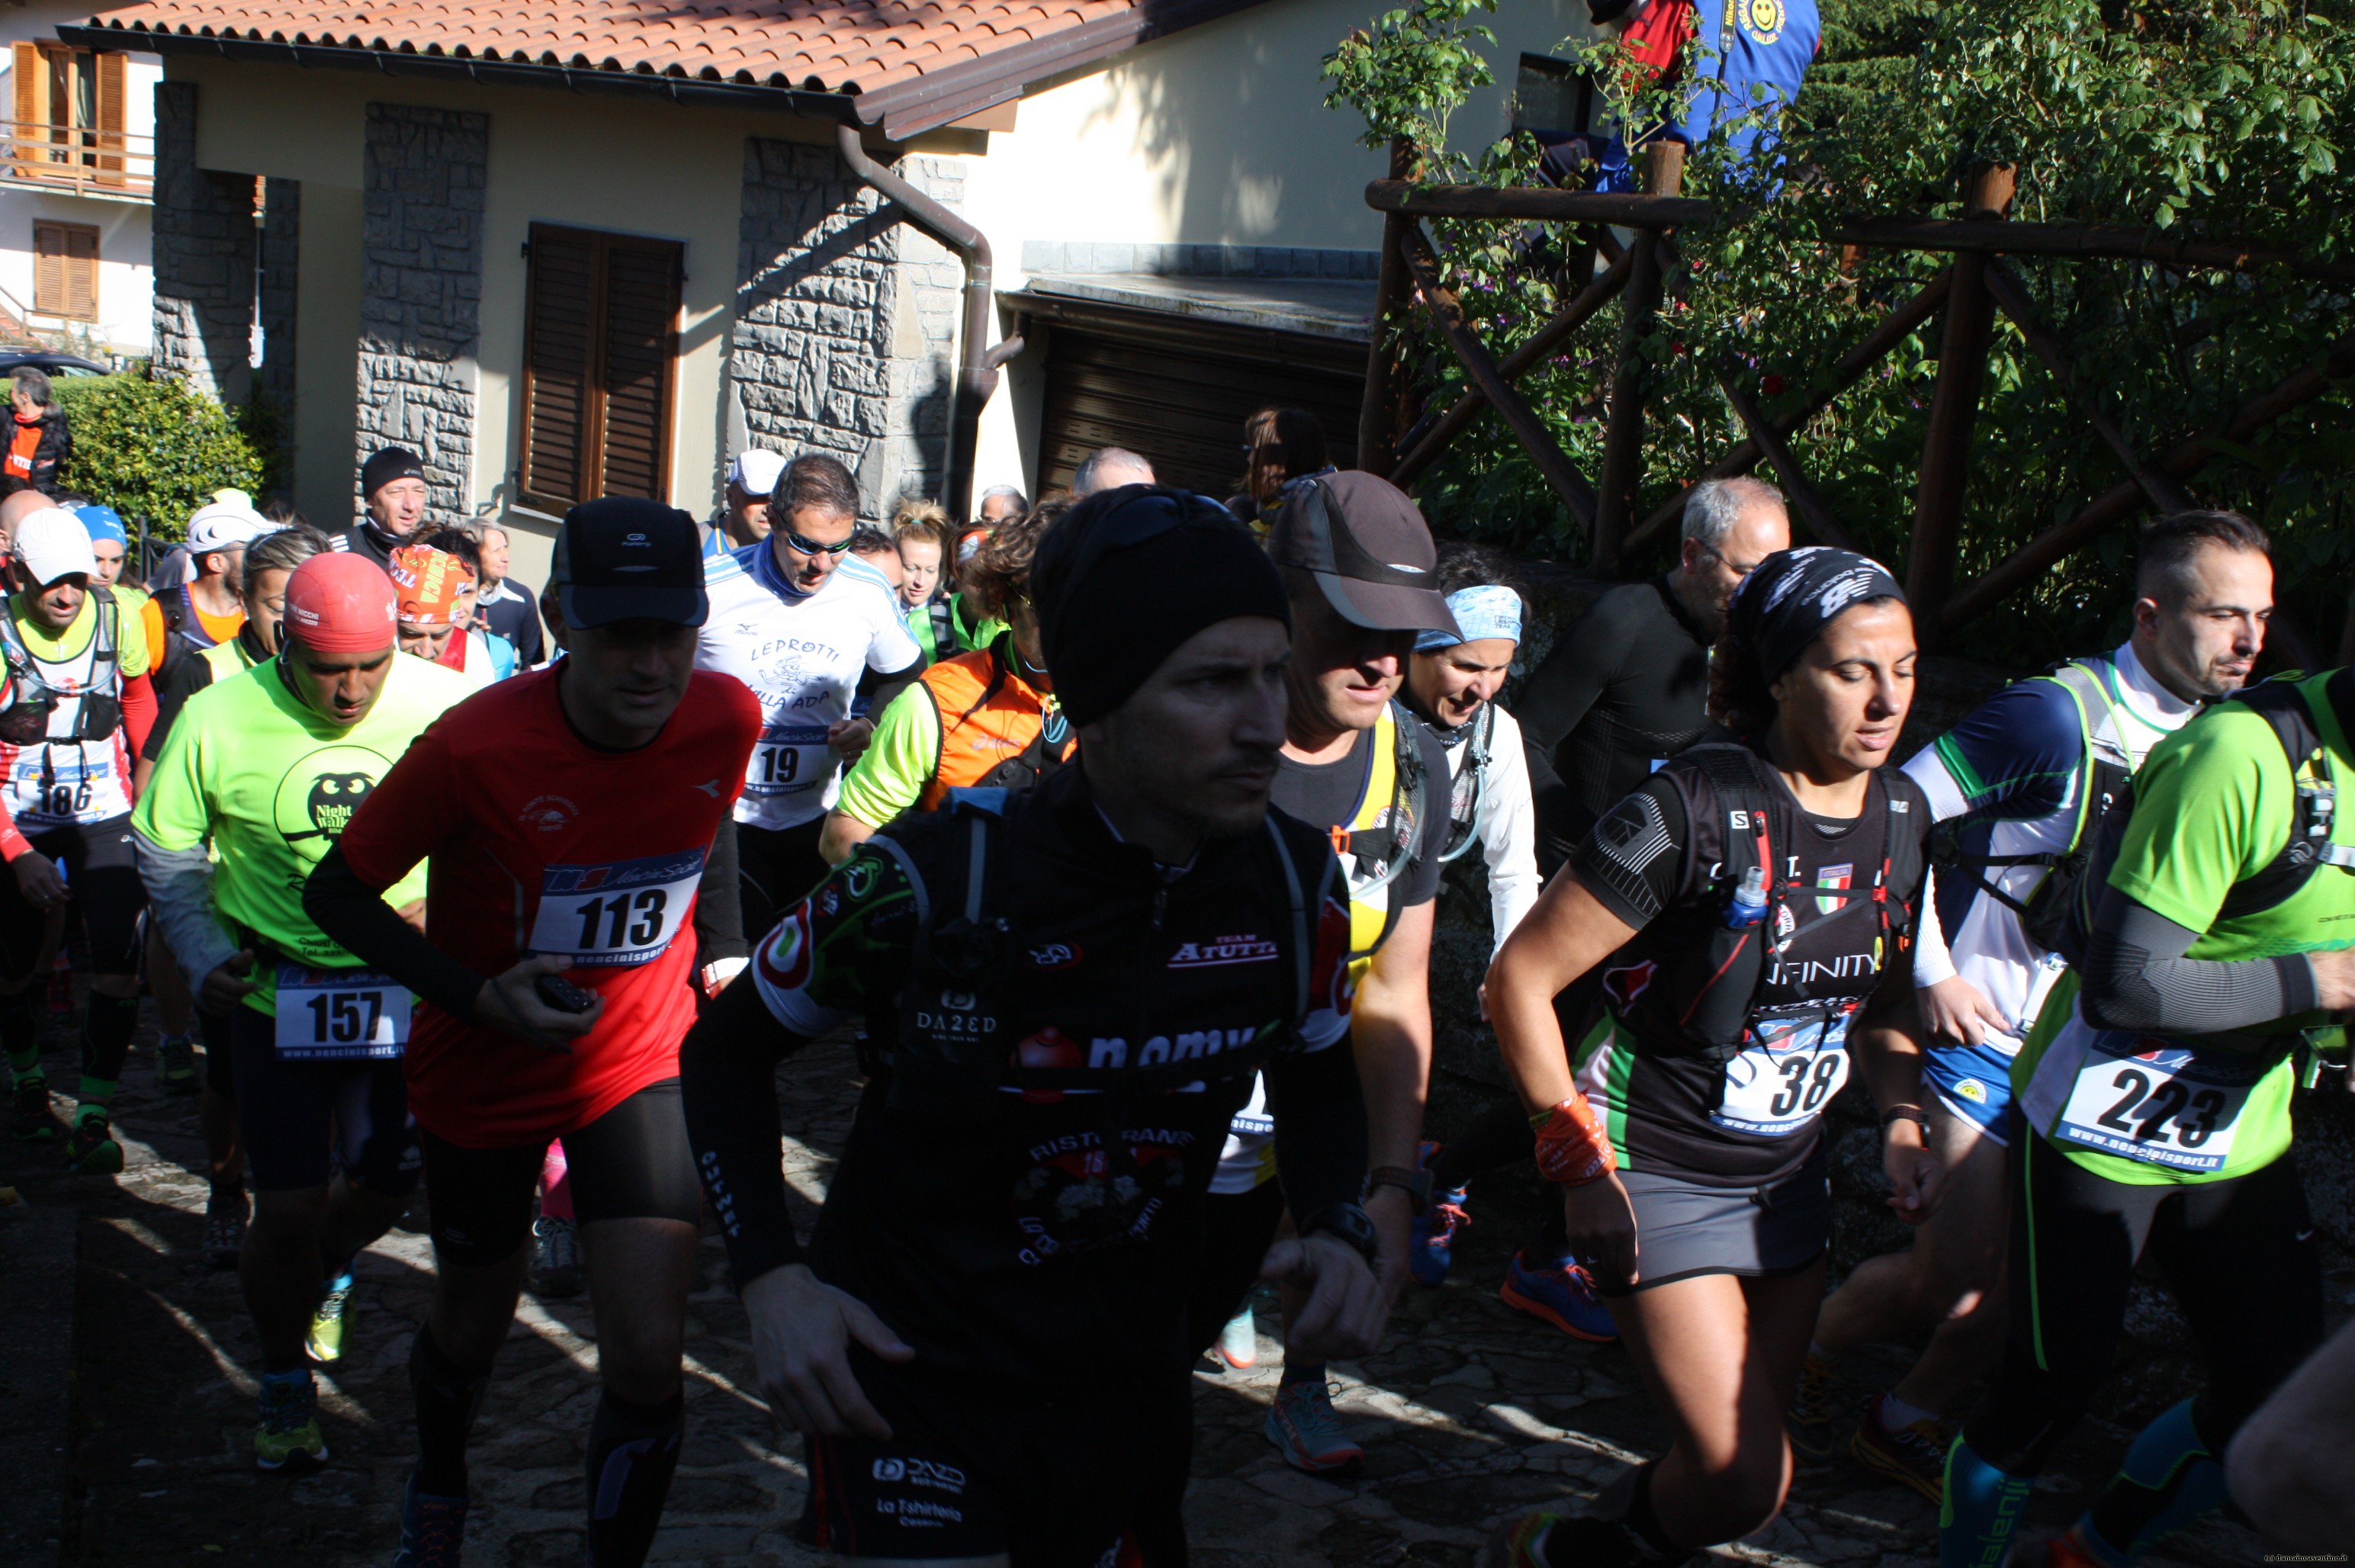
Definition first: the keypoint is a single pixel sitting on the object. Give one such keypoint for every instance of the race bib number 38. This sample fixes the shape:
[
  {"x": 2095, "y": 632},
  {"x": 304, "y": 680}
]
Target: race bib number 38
[
  {"x": 618, "y": 915},
  {"x": 340, "y": 1015},
  {"x": 2149, "y": 1100},
  {"x": 1785, "y": 1076}
]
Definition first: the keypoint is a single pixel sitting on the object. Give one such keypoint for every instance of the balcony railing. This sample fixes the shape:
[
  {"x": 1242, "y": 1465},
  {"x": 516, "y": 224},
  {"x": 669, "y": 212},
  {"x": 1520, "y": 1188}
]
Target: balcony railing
[{"x": 80, "y": 158}]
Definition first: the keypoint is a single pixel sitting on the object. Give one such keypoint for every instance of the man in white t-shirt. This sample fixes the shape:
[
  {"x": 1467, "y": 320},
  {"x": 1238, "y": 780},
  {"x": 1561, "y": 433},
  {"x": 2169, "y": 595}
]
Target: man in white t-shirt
[{"x": 810, "y": 629}]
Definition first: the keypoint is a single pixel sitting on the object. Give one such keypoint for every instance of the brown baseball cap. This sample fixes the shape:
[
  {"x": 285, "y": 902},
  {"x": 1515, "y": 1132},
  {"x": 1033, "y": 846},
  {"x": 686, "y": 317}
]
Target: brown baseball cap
[{"x": 1370, "y": 549}]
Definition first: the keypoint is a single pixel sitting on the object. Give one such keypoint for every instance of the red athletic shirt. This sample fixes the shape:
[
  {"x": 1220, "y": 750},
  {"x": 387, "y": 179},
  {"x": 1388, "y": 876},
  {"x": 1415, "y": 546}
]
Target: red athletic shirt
[{"x": 537, "y": 842}]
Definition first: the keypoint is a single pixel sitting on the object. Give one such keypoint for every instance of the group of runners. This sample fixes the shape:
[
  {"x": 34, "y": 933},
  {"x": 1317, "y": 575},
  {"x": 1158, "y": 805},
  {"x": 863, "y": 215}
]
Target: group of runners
[{"x": 1113, "y": 826}]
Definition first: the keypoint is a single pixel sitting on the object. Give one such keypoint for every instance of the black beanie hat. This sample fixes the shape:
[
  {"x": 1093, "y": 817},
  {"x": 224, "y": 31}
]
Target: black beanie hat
[
  {"x": 385, "y": 466},
  {"x": 1125, "y": 577}
]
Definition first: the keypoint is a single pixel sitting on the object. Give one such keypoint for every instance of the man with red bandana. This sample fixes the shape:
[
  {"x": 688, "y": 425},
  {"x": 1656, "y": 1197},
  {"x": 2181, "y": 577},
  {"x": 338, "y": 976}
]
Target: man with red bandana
[{"x": 566, "y": 817}]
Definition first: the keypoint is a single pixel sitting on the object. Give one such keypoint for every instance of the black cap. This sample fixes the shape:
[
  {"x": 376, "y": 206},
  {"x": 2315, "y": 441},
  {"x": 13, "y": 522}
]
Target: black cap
[
  {"x": 624, "y": 559},
  {"x": 387, "y": 464},
  {"x": 1369, "y": 548}
]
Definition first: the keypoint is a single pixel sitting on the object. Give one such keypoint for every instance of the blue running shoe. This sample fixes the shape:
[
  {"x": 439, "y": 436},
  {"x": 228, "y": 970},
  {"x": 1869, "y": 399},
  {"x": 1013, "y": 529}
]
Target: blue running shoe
[
  {"x": 432, "y": 1529},
  {"x": 1562, "y": 1294},
  {"x": 1306, "y": 1430},
  {"x": 1430, "y": 1248}
]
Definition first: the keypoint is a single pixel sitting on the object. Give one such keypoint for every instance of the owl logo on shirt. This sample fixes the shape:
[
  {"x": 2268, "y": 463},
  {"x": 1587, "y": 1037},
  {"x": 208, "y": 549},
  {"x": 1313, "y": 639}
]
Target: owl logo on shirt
[{"x": 318, "y": 796}]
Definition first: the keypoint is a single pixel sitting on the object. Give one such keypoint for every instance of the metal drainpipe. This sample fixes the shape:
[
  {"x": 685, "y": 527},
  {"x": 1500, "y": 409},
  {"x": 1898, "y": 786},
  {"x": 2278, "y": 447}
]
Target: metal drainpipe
[{"x": 976, "y": 365}]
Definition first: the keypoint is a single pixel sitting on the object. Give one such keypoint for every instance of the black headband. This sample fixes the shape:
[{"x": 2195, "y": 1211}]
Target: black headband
[{"x": 1789, "y": 598}]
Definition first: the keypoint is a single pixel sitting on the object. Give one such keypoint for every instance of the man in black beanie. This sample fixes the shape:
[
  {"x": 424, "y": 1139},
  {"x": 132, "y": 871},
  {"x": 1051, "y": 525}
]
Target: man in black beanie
[
  {"x": 1069, "y": 992},
  {"x": 393, "y": 487}
]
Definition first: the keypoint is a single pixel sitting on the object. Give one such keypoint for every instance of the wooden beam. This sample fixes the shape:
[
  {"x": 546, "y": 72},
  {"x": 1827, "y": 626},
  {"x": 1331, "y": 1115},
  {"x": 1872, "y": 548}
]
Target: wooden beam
[
  {"x": 1954, "y": 411},
  {"x": 2031, "y": 560},
  {"x": 1447, "y": 314},
  {"x": 1895, "y": 327},
  {"x": 2011, "y": 297},
  {"x": 1540, "y": 344},
  {"x": 1639, "y": 306},
  {"x": 1546, "y": 205},
  {"x": 2113, "y": 241},
  {"x": 1376, "y": 412},
  {"x": 1801, "y": 495}
]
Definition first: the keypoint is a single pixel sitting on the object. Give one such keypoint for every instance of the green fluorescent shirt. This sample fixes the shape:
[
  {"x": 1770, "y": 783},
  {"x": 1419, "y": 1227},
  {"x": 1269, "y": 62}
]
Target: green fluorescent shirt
[
  {"x": 130, "y": 642},
  {"x": 898, "y": 762},
  {"x": 269, "y": 785},
  {"x": 2213, "y": 807}
]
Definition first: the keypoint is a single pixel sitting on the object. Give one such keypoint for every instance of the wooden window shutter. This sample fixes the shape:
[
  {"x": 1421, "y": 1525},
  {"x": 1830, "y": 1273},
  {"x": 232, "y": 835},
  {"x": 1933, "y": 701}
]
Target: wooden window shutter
[
  {"x": 599, "y": 367},
  {"x": 49, "y": 268},
  {"x": 111, "y": 124},
  {"x": 29, "y": 73},
  {"x": 81, "y": 272}
]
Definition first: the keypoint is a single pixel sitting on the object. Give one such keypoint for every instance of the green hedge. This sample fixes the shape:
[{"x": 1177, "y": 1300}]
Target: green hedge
[{"x": 151, "y": 447}]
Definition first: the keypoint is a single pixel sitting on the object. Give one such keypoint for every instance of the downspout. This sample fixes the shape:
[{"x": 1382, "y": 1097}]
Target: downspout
[{"x": 976, "y": 365}]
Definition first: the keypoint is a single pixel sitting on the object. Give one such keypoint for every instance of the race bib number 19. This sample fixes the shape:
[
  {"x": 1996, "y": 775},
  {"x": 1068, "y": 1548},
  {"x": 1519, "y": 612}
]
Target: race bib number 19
[
  {"x": 615, "y": 916},
  {"x": 789, "y": 759},
  {"x": 340, "y": 1015}
]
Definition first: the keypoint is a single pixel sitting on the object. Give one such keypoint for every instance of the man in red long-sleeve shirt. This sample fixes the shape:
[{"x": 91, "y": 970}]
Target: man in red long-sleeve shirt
[{"x": 76, "y": 711}]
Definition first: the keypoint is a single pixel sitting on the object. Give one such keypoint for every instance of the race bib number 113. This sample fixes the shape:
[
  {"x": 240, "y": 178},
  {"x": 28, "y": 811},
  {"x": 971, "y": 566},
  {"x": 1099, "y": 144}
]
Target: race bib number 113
[{"x": 618, "y": 915}]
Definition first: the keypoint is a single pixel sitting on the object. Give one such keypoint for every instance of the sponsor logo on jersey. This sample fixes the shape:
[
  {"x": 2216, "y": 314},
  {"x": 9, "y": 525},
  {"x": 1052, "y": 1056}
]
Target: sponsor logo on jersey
[
  {"x": 1055, "y": 956},
  {"x": 1763, "y": 20},
  {"x": 1186, "y": 1045},
  {"x": 1225, "y": 950},
  {"x": 921, "y": 1473},
  {"x": 548, "y": 813},
  {"x": 1833, "y": 880},
  {"x": 785, "y": 957},
  {"x": 647, "y": 870},
  {"x": 1970, "y": 1089},
  {"x": 318, "y": 796}
]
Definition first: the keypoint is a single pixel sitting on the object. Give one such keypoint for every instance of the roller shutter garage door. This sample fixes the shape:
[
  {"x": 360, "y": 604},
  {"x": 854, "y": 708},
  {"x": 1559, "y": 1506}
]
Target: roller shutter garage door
[{"x": 1177, "y": 389}]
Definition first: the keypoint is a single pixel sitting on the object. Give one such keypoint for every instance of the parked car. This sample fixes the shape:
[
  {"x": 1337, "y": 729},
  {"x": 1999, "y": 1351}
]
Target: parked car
[{"x": 14, "y": 360}]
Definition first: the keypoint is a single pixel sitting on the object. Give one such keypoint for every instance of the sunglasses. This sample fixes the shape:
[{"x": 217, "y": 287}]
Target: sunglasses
[{"x": 811, "y": 547}]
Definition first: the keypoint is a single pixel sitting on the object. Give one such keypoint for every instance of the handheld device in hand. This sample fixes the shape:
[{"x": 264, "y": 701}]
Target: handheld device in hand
[{"x": 562, "y": 995}]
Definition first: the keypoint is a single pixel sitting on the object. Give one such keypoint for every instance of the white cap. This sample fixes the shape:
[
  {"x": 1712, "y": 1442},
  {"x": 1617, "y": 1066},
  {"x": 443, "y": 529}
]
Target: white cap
[
  {"x": 224, "y": 525},
  {"x": 756, "y": 472},
  {"x": 52, "y": 543}
]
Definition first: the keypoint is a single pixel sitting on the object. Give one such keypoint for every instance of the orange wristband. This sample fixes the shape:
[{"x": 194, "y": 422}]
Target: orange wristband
[{"x": 1572, "y": 1148}]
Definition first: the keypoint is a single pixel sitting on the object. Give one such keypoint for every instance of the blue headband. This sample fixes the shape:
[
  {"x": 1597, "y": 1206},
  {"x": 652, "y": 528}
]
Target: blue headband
[
  {"x": 100, "y": 523},
  {"x": 1480, "y": 612}
]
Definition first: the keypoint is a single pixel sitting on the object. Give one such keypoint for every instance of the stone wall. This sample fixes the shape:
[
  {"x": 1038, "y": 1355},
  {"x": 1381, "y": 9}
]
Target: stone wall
[
  {"x": 846, "y": 322},
  {"x": 282, "y": 233},
  {"x": 204, "y": 256},
  {"x": 421, "y": 289}
]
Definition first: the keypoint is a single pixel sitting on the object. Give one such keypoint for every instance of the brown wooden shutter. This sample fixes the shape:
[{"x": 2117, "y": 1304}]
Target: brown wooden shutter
[
  {"x": 30, "y": 75},
  {"x": 81, "y": 272},
  {"x": 49, "y": 268},
  {"x": 641, "y": 344},
  {"x": 600, "y": 352},
  {"x": 111, "y": 124}
]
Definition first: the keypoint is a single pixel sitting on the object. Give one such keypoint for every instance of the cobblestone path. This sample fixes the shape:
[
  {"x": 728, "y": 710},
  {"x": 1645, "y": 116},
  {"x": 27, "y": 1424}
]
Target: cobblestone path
[{"x": 1468, "y": 1413}]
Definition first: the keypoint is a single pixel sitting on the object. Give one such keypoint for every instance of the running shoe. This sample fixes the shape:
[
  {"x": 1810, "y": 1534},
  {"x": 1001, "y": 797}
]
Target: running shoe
[
  {"x": 432, "y": 1529},
  {"x": 1521, "y": 1543},
  {"x": 91, "y": 1148},
  {"x": 1304, "y": 1429},
  {"x": 288, "y": 1437},
  {"x": 1914, "y": 1454},
  {"x": 35, "y": 1123},
  {"x": 176, "y": 1065},
  {"x": 1238, "y": 1340},
  {"x": 556, "y": 1259},
  {"x": 225, "y": 1230},
  {"x": 1430, "y": 1244},
  {"x": 1561, "y": 1293},
  {"x": 2068, "y": 1550},
  {"x": 326, "y": 1340},
  {"x": 1813, "y": 1419},
  {"x": 1538, "y": 1540}
]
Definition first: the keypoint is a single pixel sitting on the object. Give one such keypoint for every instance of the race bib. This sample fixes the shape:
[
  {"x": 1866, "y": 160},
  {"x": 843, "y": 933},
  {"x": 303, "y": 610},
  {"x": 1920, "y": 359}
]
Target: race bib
[
  {"x": 790, "y": 759},
  {"x": 2148, "y": 1099},
  {"x": 78, "y": 785},
  {"x": 340, "y": 1015},
  {"x": 1785, "y": 1076},
  {"x": 618, "y": 915}
]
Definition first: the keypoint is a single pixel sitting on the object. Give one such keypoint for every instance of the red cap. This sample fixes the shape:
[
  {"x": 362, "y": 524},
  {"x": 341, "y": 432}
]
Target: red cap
[{"x": 340, "y": 603}]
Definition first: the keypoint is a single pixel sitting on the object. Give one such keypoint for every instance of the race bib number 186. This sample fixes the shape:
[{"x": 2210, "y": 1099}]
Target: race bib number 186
[{"x": 618, "y": 915}]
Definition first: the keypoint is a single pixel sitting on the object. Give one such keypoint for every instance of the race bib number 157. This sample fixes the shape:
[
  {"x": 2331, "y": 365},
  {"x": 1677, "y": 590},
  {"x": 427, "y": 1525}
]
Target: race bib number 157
[{"x": 617, "y": 915}]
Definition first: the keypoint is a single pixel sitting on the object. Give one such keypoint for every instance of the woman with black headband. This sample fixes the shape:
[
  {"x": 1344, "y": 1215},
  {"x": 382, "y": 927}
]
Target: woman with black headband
[{"x": 1751, "y": 906}]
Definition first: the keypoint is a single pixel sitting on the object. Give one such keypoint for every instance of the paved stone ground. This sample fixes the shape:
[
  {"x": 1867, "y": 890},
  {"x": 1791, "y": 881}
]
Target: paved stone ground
[{"x": 1468, "y": 1413}]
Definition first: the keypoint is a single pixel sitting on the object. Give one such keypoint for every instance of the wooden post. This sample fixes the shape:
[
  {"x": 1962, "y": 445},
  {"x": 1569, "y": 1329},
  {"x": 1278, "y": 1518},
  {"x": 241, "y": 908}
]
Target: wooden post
[
  {"x": 1623, "y": 442},
  {"x": 1376, "y": 415},
  {"x": 1954, "y": 410}
]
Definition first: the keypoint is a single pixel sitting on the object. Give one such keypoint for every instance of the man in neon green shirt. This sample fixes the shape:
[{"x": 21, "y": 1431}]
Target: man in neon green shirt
[
  {"x": 2154, "y": 1096},
  {"x": 264, "y": 770}
]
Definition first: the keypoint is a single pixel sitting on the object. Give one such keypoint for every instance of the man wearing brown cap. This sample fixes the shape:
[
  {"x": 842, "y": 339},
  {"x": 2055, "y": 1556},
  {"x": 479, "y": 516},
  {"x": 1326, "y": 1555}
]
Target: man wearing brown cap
[{"x": 1361, "y": 574}]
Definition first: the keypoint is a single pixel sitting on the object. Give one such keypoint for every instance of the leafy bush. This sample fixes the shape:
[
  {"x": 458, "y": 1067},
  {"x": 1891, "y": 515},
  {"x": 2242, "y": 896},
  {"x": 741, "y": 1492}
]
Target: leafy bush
[
  {"x": 151, "y": 447},
  {"x": 2221, "y": 118}
]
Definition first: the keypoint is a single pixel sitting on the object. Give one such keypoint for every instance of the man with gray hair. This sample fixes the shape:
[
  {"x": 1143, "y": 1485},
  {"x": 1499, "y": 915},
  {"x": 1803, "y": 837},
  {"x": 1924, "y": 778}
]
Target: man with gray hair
[
  {"x": 1002, "y": 504},
  {"x": 1109, "y": 468}
]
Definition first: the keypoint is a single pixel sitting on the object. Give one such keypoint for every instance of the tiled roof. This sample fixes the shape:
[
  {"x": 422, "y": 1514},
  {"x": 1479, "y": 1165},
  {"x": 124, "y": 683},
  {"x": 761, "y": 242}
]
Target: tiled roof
[{"x": 952, "y": 59}]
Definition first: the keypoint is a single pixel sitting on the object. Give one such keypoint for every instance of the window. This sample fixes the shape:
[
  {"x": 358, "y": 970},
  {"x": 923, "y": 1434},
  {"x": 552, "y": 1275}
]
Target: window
[
  {"x": 601, "y": 348},
  {"x": 68, "y": 126},
  {"x": 1553, "y": 98},
  {"x": 65, "y": 270}
]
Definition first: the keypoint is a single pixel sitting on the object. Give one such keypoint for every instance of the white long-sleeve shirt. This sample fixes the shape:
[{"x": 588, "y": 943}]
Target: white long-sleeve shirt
[{"x": 1508, "y": 823}]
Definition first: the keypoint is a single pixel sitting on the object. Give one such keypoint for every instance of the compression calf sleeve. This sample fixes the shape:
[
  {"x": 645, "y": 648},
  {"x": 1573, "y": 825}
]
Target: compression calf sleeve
[
  {"x": 2169, "y": 1478},
  {"x": 1981, "y": 1513},
  {"x": 633, "y": 1452},
  {"x": 20, "y": 1033},
  {"x": 448, "y": 1396},
  {"x": 106, "y": 1028}
]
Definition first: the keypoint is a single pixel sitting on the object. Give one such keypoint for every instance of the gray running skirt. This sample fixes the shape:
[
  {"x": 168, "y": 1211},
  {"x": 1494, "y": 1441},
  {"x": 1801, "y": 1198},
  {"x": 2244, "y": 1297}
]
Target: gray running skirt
[{"x": 1683, "y": 1229}]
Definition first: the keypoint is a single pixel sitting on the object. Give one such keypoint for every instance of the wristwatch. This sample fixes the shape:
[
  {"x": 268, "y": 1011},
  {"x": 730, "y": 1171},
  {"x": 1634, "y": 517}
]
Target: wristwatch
[
  {"x": 1415, "y": 1184},
  {"x": 1914, "y": 1113},
  {"x": 1346, "y": 1222}
]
